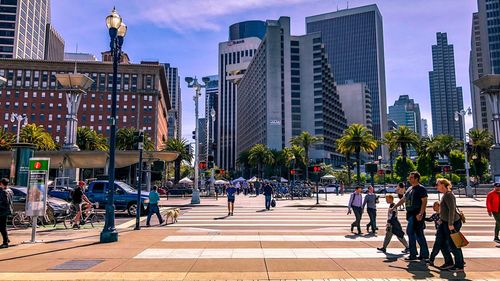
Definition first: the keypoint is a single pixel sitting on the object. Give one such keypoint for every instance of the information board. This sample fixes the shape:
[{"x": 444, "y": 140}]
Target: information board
[{"x": 38, "y": 178}]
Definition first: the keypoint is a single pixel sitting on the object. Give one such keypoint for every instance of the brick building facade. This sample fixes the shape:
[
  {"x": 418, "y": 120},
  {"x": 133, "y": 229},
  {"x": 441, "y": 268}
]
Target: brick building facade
[{"x": 32, "y": 90}]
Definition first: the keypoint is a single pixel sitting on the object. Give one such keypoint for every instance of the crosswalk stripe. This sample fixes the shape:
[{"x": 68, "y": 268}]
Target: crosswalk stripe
[
  {"x": 292, "y": 253},
  {"x": 292, "y": 238}
]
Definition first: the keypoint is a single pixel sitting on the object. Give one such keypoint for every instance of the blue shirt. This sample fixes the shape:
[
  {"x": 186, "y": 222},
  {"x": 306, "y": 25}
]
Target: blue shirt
[
  {"x": 154, "y": 197},
  {"x": 230, "y": 192},
  {"x": 356, "y": 200}
]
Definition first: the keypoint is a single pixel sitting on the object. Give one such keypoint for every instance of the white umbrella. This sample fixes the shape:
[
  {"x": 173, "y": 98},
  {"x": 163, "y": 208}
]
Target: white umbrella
[
  {"x": 186, "y": 180},
  {"x": 328, "y": 177},
  {"x": 254, "y": 179},
  {"x": 283, "y": 180},
  {"x": 221, "y": 182},
  {"x": 240, "y": 179}
]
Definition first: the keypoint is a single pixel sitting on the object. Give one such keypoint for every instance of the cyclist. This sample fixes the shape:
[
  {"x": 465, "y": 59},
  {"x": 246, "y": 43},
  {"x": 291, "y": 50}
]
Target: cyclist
[{"x": 79, "y": 200}]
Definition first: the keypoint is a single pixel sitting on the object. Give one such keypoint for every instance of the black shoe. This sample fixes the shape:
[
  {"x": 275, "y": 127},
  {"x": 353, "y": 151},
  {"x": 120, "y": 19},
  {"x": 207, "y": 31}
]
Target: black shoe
[
  {"x": 497, "y": 239},
  {"x": 161, "y": 222},
  {"x": 359, "y": 232},
  {"x": 456, "y": 269},
  {"x": 228, "y": 214},
  {"x": 148, "y": 225},
  {"x": 381, "y": 249},
  {"x": 446, "y": 266},
  {"x": 406, "y": 251},
  {"x": 76, "y": 226},
  {"x": 232, "y": 213},
  {"x": 352, "y": 228},
  {"x": 3, "y": 246},
  {"x": 411, "y": 258}
]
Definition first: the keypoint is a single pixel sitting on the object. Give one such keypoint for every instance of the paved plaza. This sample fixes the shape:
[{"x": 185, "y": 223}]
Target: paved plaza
[{"x": 295, "y": 240}]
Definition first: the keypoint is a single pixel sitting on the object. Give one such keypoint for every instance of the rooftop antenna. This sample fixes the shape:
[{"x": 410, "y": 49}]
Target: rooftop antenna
[
  {"x": 76, "y": 61},
  {"x": 347, "y": 5}
]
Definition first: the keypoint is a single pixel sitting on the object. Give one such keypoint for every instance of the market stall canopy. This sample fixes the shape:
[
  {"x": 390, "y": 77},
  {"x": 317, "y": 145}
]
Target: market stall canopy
[
  {"x": 221, "y": 182},
  {"x": 283, "y": 180},
  {"x": 328, "y": 177},
  {"x": 91, "y": 159},
  {"x": 254, "y": 179},
  {"x": 186, "y": 180},
  {"x": 240, "y": 179}
]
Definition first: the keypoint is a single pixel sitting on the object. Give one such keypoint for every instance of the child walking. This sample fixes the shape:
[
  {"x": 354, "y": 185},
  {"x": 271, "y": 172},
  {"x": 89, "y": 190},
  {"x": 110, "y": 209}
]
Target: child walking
[
  {"x": 393, "y": 227},
  {"x": 439, "y": 238}
]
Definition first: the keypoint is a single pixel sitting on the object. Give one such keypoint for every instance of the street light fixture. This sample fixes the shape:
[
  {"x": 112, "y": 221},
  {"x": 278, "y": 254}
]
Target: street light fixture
[
  {"x": 193, "y": 83},
  {"x": 117, "y": 31},
  {"x": 458, "y": 114},
  {"x": 19, "y": 118},
  {"x": 212, "y": 178}
]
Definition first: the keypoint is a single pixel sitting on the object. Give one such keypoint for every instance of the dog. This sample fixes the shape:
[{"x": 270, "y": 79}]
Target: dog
[
  {"x": 177, "y": 212},
  {"x": 173, "y": 214}
]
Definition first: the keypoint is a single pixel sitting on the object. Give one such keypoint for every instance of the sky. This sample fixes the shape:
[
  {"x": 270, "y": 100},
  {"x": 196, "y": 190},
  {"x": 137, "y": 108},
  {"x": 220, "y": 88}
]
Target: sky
[{"x": 186, "y": 34}]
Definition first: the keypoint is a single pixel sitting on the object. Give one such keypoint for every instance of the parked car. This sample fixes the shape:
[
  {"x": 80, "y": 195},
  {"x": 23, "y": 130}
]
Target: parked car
[
  {"x": 56, "y": 207},
  {"x": 125, "y": 197}
]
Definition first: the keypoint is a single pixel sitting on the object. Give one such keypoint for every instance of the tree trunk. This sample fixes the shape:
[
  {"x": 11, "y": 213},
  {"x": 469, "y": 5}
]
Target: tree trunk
[
  {"x": 177, "y": 171},
  {"x": 306, "y": 153},
  {"x": 348, "y": 158},
  {"x": 358, "y": 160},
  {"x": 403, "y": 152}
]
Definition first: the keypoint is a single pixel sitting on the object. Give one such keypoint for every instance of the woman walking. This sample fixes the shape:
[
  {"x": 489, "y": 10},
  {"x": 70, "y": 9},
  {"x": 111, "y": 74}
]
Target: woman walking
[
  {"x": 451, "y": 222},
  {"x": 371, "y": 208}
]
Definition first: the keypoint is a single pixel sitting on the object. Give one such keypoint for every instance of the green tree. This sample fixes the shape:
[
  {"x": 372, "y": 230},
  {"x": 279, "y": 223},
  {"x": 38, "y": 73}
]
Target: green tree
[
  {"x": 306, "y": 140},
  {"x": 444, "y": 144},
  {"x": 404, "y": 138},
  {"x": 180, "y": 146},
  {"x": 357, "y": 138},
  {"x": 36, "y": 135},
  {"x": 260, "y": 155},
  {"x": 401, "y": 169},
  {"x": 6, "y": 140},
  {"x": 245, "y": 163},
  {"x": 457, "y": 160},
  {"x": 88, "y": 139},
  {"x": 125, "y": 140},
  {"x": 481, "y": 142}
]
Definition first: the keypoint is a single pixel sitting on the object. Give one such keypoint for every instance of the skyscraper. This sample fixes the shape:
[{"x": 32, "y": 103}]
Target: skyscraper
[
  {"x": 425, "y": 128},
  {"x": 234, "y": 57},
  {"x": 212, "y": 93},
  {"x": 405, "y": 112},
  {"x": 289, "y": 88},
  {"x": 354, "y": 43},
  {"x": 54, "y": 44},
  {"x": 174, "y": 90},
  {"x": 356, "y": 103},
  {"x": 23, "y": 26},
  {"x": 202, "y": 142},
  {"x": 484, "y": 58},
  {"x": 446, "y": 97}
]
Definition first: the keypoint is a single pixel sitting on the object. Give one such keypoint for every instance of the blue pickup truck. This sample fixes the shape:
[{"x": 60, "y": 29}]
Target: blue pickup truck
[{"x": 125, "y": 196}]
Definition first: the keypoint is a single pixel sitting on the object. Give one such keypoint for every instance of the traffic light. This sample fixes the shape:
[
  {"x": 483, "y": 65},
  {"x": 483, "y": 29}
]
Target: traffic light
[
  {"x": 138, "y": 140},
  {"x": 292, "y": 172},
  {"x": 202, "y": 165},
  {"x": 222, "y": 171},
  {"x": 194, "y": 135},
  {"x": 315, "y": 169},
  {"x": 446, "y": 169}
]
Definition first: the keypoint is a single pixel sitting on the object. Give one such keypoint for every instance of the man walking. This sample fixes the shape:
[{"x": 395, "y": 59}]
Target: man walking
[
  {"x": 493, "y": 207},
  {"x": 154, "y": 198},
  {"x": 415, "y": 200},
  {"x": 355, "y": 204},
  {"x": 268, "y": 192},
  {"x": 5, "y": 210},
  {"x": 231, "y": 190}
]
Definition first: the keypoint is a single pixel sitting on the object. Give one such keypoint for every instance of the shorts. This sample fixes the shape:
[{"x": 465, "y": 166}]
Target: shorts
[
  {"x": 77, "y": 206},
  {"x": 230, "y": 200}
]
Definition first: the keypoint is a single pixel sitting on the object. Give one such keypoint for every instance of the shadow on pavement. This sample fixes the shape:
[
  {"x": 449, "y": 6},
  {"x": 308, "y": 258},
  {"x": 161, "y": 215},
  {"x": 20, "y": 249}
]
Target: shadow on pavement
[
  {"x": 51, "y": 251},
  {"x": 221, "y": 218}
]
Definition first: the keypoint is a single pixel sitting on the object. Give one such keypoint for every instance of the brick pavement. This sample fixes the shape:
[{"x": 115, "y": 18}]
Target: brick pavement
[{"x": 300, "y": 242}]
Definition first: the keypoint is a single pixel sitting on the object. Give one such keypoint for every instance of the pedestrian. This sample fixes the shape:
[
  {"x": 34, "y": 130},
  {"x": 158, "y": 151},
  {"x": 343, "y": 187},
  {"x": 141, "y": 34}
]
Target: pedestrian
[
  {"x": 5, "y": 210},
  {"x": 451, "y": 223},
  {"x": 415, "y": 200},
  {"x": 400, "y": 191},
  {"x": 493, "y": 207},
  {"x": 268, "y": 192},
  {"x": 439, "y": 238},
  {"x": 154, "y": 198},
  {"x": 371, "y": 208},
  {"x": 393, "y": 227},
  {"x": 238, "y": 188},
  {"x": 355, "y": 204},
  {"x": 342, "y": 188},
  {"x": 231, "y": 190},
  {"x": 257, "y": 187}
]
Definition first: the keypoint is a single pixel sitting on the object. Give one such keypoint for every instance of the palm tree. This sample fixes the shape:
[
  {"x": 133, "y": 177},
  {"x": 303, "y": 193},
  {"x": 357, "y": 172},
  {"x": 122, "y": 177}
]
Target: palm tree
[
  {"x": 88, "y": 139},
  {"x": 404, "y": 138},
  {"x": 36, "y": 135},
  {"x": 6, "y": 140},
  {"x": 481, "y": 141},
  {"x": 180, "y": 146},
  {"x": 306, "y": 140},
  {"x": 125, "y": 139},
  {"x": 260, "y": 155},
  {"x": 359, "y": 139},
  {"x": 347, "y": 152},
  {"x": 244, "y": 163},
  {"x": 444, "y": 144}
]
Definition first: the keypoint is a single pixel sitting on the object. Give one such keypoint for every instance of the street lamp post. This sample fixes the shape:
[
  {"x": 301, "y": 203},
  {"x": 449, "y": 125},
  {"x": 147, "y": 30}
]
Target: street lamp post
[
  {"x": 193, "y": 83},
  {"x": 14, "y": 117},
  {"x": 117, "y": 30},
  {"x": 490, "y": 88},
  {"x": 462, "y": 113},
  {"x": 212, "y": 179}
]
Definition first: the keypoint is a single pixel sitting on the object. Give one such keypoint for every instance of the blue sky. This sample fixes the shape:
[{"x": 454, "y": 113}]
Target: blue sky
[{"x": 186, "y": 34}]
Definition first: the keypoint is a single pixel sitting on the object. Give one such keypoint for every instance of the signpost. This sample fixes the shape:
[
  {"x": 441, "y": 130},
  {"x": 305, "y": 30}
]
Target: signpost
[{"x": 36, "y": 201}]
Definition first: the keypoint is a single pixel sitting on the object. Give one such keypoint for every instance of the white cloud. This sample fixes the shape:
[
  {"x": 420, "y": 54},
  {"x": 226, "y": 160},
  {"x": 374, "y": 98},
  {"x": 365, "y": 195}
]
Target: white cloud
[{"x": 182, "y": 15}]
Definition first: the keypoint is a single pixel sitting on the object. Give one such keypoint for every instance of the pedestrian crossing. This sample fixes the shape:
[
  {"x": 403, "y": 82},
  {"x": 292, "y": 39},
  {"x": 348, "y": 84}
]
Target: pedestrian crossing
[{"x": 297, "y": 233}]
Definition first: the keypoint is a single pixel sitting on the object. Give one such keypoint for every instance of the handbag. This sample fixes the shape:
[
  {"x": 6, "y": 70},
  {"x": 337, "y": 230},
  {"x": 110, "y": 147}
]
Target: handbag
[
  {"x": 461, "y": 214},
  {"x": 459, "y": 239},
  {"x": 273, "y": 203}
]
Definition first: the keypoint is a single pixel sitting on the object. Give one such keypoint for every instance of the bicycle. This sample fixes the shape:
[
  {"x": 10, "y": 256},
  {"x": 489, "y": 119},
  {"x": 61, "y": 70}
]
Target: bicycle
[
  {"x": 93, "y": 216},
  {"x": 21, "y": 220}
]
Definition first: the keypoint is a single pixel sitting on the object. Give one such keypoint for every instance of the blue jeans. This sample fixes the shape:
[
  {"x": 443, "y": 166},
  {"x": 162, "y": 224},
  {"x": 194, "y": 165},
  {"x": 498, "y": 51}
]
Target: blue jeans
[
  {"x": 449, "y": 245},
  {"x": 153, "y": 209},
  {"x": 268, "y": 202},
  {"x": 415, "y": 231},
  {"x": 372, "y": 213}
]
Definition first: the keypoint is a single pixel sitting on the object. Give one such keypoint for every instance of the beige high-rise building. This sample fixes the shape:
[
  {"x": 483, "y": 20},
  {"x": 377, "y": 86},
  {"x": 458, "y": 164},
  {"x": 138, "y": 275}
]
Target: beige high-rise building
[{"x": 23, "y": 28}]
